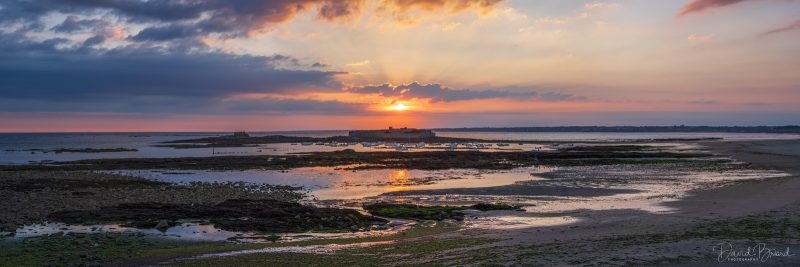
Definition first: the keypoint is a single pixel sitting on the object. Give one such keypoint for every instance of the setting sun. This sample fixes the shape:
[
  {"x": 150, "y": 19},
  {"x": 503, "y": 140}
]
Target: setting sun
[{"x": 399, "y": 107}]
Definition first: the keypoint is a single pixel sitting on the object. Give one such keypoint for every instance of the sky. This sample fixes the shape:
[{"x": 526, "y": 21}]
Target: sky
[{"x": 279, "y": 65}]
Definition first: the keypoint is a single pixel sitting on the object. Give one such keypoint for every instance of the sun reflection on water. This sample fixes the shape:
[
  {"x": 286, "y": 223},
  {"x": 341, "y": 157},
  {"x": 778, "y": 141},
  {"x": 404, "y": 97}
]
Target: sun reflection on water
[{"x": 399, "y": 180}]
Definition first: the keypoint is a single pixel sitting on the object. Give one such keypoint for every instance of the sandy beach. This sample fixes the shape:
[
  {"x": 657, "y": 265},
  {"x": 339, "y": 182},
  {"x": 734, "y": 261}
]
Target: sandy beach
[{"x": 631, "y": 237}]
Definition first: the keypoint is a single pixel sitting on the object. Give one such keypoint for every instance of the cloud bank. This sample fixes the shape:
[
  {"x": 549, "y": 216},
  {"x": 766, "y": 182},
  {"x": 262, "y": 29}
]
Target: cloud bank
[
  {"x": 55, "y": 75},
  {"x": 176, "y": 19}
]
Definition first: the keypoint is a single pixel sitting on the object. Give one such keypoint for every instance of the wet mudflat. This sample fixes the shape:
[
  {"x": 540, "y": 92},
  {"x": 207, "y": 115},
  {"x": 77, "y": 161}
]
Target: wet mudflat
[
  {"x": 263, "y": 215},
  {"x": 426, "y": 160},
  {"x": 328, "y": 183},
  {"x": 32, "y": 197},
  {"x": 579, "y": 183}
]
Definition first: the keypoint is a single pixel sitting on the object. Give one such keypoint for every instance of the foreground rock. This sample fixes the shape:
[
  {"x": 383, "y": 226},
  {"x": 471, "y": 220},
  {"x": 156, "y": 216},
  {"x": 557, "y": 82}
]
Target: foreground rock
[
  {"x": 437, "y": 213},
  {"x": 262, "y": 215},
  {"x": 233, "y": 141},
  {"x": 28, "y": 197}
]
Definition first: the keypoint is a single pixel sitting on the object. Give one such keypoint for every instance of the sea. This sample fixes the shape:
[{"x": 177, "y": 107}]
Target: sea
[{"x": 26, "y": 148}]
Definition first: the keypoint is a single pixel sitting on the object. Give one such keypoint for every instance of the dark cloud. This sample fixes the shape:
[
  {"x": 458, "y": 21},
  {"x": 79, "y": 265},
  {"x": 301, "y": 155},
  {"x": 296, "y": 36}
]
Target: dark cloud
[
  {"x": 166, "y": 10},
  {"x": 94, "y": 40},
  {"x": 701, "y": 5},
  {"x": 182, "y": 105},
  {"x": 148, "y": 82},
  {"x": 16, "y": 43},
  {"x": 183, "y": 19},
  {"x": 74, "y": 24},
  {"x": 439, "y": 93},
  {"x": 319, "y": 65},
  {"x": 103, "y": 30},
  {"x": 61, "y": 76},
  {"x": 336, "y": 10},
  {"x": 50, "y": 74},
  {"x": 166, "y": 33}
]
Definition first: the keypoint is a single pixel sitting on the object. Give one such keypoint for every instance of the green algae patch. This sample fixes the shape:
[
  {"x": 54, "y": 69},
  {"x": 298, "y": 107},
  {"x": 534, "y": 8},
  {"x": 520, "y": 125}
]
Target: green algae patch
[
  {"x": 110, "y": 249},
  {"x": 436, "y": 213}
]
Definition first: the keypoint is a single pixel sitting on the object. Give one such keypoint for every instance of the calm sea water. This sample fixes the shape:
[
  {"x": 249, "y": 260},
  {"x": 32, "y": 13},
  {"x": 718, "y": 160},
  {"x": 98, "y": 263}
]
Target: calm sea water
[{"x": 14, "y": 146}]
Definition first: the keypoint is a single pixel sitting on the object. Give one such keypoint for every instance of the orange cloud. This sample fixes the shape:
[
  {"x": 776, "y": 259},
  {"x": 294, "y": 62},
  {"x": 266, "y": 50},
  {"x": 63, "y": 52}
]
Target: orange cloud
[
  {"x": 232, "y": 19},
  {"x": 452, "y": 5},
  {"x": 340, "y": 10}
]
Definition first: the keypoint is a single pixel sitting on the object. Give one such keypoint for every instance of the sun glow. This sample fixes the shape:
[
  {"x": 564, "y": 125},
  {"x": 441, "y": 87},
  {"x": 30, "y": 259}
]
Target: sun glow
[{"x": 399, "y": 107}]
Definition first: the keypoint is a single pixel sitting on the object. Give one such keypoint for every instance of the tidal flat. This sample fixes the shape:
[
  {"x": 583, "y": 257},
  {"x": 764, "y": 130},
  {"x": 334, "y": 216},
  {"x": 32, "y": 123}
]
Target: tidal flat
[
  {"x": 585, "y": 196},
  {"x": 352, "y": 160}
]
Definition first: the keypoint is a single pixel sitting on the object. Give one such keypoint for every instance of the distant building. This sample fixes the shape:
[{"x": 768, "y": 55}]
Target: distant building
[
  {"x": 392, "y": 133},
  {"x": 240, "y": 134}
]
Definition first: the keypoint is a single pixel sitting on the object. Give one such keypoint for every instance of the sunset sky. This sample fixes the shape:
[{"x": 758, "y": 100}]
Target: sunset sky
[{"x": 220, "y": 65}]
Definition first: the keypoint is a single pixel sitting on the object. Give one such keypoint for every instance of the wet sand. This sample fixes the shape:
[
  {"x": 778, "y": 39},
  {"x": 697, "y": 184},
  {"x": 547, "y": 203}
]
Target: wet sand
[
  {"x": 594, "y": 239},
  {"x": 750, "y": 197},
  {"x": 688, "y": 232}
]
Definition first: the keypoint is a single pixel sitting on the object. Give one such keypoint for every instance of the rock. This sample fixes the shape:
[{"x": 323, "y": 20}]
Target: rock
[{"x": 162, "y": 225}]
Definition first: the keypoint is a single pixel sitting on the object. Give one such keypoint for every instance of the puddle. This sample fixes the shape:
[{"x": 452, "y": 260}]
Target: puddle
[
  {"x": 184, "y": 231},
  {"x": 653, "y": 186},
  {"x": 314, "y": 249},
  {"x": 334, "y": 183},
  {"x": 201, "y": 232},
  {"x": 507, "y": 222}
]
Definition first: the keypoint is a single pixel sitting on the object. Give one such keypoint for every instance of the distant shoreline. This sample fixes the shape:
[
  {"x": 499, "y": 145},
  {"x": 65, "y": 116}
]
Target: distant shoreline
[
  {"x": 786, "y": 129},
  {"x": 789, "y": 129}
]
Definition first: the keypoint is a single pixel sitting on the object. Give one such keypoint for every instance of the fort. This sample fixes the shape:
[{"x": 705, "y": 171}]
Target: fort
[{"x": 393, "y": 134}]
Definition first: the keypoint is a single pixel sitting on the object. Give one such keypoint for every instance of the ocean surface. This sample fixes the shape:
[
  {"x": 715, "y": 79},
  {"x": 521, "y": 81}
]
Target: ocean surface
[{"x": 15, "y": 148}]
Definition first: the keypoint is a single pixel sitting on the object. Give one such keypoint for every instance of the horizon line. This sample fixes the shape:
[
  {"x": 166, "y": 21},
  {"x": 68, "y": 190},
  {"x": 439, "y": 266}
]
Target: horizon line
[{"x": 434, "y": 128}]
